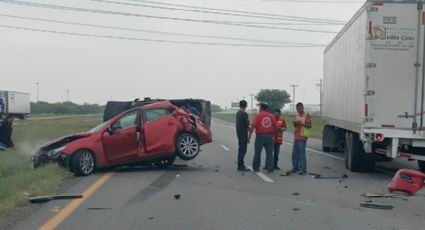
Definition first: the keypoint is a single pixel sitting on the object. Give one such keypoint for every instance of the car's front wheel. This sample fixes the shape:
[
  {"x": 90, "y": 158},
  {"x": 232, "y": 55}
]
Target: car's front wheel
[
  {"x": 83, "y": 163},
  {"x": 188, "y": 146}
]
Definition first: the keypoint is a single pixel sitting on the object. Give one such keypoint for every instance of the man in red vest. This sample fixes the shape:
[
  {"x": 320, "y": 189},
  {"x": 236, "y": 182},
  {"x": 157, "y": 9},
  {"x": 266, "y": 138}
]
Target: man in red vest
[
  {"x": 299, "y": 159},
  {"x": 265, "y": 126},
  {"x": 278, "y": 136}
]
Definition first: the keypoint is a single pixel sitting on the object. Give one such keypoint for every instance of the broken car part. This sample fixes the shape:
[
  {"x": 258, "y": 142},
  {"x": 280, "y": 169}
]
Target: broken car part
[
  {"x": 319, "y": 176},
  {"x": 408, "y": 181},
  {"x": 45, "y": 199},
  {"x": 376, "y": 206}
]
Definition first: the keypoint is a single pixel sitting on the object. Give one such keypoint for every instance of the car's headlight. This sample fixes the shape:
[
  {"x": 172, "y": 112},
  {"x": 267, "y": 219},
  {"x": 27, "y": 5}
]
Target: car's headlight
[{"x": 55, "y": 152}]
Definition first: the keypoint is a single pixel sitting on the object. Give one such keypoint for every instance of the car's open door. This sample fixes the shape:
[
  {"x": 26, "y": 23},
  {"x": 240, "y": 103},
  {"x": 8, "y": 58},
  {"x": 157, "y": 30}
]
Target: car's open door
[{"x": 159, "y": 129}]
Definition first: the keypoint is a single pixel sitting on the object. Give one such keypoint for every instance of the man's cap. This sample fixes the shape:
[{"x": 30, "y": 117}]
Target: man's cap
[{"x": 263, "y": 105}]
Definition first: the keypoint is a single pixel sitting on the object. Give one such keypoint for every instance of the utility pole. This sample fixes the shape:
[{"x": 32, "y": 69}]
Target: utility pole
[
  {"x": 67, "y": 95},
  {"x": 38, "y": 89},
  {"x": 293, "y": 96},
  {"x": 252, "y": 102},
  {"x": 320, "y": 87}
]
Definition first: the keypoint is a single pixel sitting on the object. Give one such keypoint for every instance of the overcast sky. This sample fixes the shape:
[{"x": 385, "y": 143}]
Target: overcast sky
[{"x": 96, "y": 70}]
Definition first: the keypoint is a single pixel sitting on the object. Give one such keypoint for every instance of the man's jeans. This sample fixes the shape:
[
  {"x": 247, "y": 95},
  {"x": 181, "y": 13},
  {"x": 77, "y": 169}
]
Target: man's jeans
[
  {"x": 299, "y": 161},
  {"x": 276, "y": 154},
  {"x": 243, "y": 143},
  {"x": 266, "y": 141}
]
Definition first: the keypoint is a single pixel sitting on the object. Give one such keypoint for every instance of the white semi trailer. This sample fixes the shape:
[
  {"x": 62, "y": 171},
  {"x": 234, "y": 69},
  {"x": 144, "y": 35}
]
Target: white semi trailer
[
  {"x": 374, "y": 85},
  {"x": 14, "y": 103}
]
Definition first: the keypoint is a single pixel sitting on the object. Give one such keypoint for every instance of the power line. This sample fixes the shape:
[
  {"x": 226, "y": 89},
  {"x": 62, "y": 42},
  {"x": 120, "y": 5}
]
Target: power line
[
  {"x": 278, "y": 16},
  {"x": 60, "y": 7},
  {"x": 316, "y": 1},
  {"x": 157, "y": 32},
  {"x": 197, "y": 10},
  {"x": 152, "y": 40},
  {"x": 287, "y": 24}
]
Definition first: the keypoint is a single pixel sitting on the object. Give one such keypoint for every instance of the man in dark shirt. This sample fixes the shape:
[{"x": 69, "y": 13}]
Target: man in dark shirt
[
  {"x": 6, "y": 133},
  {"x": 242, "y": 127}
]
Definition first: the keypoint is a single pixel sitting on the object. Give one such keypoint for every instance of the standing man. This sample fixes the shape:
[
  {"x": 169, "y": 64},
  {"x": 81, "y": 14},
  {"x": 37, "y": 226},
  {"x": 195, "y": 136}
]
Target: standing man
[
  {"x": 278, "y": 136},
  {"x": 299, "y": 160},
  {"x": 242, "y": 127},
  {"x": 6, "y": 133},
  {"x": 265, "y": 126}
]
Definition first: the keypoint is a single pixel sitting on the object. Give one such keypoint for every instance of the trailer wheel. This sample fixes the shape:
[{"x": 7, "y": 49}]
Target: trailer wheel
[
  {"x": 421, "y": 165},
  {"x": 326, "y": 138},
  {"x": 356, "y": 160}
]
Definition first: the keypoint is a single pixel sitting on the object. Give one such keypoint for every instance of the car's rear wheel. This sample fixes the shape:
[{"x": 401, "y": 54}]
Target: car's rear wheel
[
  {"x": 83, "y": 163},
  {"x": 165, "y": 162},
  {"x": 188, "y": 146}
]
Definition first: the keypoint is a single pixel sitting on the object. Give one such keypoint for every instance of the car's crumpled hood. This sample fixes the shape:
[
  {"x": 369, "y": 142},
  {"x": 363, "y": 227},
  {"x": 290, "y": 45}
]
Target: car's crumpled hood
[{"x": 59, "y": 142}]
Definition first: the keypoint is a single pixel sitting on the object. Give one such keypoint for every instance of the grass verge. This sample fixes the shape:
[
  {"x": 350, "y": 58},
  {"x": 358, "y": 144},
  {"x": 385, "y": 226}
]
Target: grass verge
[
  {"x": 316, "y": 130},
  {"x": 16, "y": 175}
]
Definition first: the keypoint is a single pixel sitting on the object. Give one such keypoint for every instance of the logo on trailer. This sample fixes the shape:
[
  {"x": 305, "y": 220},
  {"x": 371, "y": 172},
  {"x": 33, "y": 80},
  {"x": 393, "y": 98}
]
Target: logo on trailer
[
  {"x": 266, "y": 122},
  {"x": 378, "y": 32}
]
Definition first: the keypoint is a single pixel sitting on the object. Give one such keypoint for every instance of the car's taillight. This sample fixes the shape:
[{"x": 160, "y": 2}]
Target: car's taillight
[{"x": 379, "y": 137}]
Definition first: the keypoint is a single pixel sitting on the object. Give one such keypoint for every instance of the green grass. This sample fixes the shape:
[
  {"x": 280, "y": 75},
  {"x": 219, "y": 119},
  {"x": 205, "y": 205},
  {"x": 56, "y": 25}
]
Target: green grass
[
  {"x": 316, "y": 130},
  {"x": 16, "y": 175}
]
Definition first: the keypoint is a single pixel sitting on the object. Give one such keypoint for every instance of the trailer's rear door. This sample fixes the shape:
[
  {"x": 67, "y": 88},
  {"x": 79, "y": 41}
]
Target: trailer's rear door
[{"x": 392, "y": 72}]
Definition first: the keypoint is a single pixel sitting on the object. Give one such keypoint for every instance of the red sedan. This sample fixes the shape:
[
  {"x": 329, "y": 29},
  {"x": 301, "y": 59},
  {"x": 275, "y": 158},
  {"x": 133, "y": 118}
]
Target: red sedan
[{"x": 152, "y": 134}]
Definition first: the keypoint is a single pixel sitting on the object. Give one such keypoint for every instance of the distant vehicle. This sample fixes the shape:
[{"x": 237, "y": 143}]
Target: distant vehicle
[
  {"x": 154, "y": 133},
  {"x": 374, "y": 85},
  {"x": 14, "y": 103}
]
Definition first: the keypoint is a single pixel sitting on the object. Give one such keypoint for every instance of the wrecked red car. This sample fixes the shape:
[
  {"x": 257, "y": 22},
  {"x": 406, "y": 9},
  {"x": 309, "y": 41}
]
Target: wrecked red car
[{"x": 154, "y": 133}]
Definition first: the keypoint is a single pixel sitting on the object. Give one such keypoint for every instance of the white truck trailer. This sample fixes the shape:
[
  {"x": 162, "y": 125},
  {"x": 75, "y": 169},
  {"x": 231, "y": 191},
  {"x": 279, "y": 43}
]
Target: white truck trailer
[
  {"x": 14, "y": 103},
  {"x": 374, "y": 85}
]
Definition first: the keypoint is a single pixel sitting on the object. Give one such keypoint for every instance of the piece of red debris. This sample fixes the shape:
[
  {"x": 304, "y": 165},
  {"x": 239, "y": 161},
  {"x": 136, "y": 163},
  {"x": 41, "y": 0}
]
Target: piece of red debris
[{"x": 408, "y": 181}]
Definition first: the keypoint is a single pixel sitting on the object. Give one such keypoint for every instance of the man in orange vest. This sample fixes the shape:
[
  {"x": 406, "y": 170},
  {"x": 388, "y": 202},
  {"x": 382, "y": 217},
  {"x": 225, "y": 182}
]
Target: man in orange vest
[{"x": 278, "y": 136}]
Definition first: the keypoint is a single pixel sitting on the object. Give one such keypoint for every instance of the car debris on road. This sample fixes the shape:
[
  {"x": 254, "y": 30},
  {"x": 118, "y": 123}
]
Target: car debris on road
[
  {"x": 408, "y": 181},
  {"x": 45, "y": 199},
  {"x": 370, "y": 195},
  {"x": 319, "y": 176},
  {"x": 369, "y": 204}
]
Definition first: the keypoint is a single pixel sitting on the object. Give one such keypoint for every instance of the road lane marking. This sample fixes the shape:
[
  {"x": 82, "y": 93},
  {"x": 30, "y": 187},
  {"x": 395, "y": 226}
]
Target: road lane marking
[
  {"x": 262, "y": 176},
  {"x": 318, "y": 152},
  {"x": 225, "y": 148},
  {"x": 73, "y": 205}
]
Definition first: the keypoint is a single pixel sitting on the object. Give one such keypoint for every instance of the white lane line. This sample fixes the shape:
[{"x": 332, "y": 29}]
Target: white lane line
[
  {"x": 262, "y": 176},
  {"x": 225, "y": 148},
  {"x": 318, "y": 152}
]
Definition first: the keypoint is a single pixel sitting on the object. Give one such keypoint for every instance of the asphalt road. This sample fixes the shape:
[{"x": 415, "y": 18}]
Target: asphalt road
[{"x": 213, "y": 195}]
